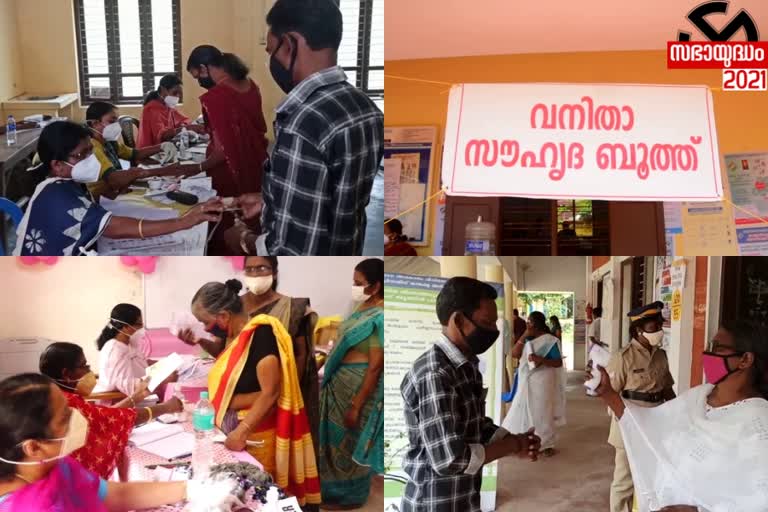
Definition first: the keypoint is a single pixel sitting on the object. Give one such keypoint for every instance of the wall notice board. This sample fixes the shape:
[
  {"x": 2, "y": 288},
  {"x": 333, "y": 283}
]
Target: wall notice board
[{"x": 409, "y": 160}]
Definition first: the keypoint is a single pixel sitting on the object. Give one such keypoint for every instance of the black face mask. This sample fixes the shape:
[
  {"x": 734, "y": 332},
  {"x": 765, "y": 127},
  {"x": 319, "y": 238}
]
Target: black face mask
[
  {"x": 206, "y": 82},
  {"x": 283, "y": 77},
  {"x": 218, "y": 332},
  {"x": 481, "y": 338}
]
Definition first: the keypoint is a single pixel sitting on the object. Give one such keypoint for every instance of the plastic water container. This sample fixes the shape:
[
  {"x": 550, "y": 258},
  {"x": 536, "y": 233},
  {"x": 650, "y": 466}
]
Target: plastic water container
[
  {"x": 203, "y": 423},
  {"x": 480, "y": 238},
  {"x": 10, "y": 131},
  {"x": 184, "y": 144}
]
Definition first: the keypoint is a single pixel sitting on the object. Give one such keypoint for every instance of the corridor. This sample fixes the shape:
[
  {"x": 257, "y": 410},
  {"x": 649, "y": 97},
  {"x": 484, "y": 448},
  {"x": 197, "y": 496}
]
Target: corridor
[{"x": 578, "y": 477}]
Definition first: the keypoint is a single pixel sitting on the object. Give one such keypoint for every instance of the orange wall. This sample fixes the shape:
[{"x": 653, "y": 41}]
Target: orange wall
[
  {"x": 740, "y": 116},
  {"x": 599, "y": 261}
]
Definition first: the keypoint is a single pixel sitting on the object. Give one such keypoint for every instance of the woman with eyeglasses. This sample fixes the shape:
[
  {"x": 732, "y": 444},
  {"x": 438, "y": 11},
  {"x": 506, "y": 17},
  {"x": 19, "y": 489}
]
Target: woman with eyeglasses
[
  {"x": 706, "y": 450},
  {"x": 109, "y": 427},
  {"x": 63, "y": 219},
  {"x": 39, "y": 432},
  {"x": 254, "y": 388}
]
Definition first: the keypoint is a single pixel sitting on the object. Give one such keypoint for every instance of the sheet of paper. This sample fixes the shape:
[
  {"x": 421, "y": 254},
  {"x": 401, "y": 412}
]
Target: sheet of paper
[
  {"x": 289, "y": 505},
  {"x": 190, "y": 242},
  {"x": 174, "y": 447},
  {"x": 137, "y": 209},
  {"x": 163, "y": 369},
  {"x": 708, "y": 230},
  {"x": 392, "y": 168},
  {"x": 412, "y": 194},
  {"x": 152, "y": 432}
]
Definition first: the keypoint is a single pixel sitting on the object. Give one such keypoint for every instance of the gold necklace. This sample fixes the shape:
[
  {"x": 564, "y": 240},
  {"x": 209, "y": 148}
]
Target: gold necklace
[{"x": 22, "y": 478}]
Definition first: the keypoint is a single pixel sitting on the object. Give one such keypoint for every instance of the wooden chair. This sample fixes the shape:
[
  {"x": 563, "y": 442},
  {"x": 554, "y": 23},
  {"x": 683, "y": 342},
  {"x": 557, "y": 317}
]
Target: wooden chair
[{"x": 108, "y": 396}]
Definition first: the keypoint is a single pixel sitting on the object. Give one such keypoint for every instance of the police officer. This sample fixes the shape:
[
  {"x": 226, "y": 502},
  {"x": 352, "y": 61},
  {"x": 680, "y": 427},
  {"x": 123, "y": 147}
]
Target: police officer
[{"x": 640, "y": 373}]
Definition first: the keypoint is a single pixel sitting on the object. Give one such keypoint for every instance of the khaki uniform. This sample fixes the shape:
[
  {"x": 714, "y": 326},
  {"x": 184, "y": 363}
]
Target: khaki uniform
[{"x": 633, "y": 369}]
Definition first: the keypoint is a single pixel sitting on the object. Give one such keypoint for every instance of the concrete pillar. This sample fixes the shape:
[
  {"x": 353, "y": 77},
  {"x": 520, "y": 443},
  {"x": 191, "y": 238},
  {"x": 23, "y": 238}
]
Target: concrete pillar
[
  {"x": 494, "y": 273},
  {"x": 453, "y": 266}
]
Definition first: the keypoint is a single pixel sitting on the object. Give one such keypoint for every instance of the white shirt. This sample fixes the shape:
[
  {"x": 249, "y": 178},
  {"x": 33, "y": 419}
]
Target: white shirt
[
  {"x": 121, "y": 367},
  {"x": 594, "y": 329}
]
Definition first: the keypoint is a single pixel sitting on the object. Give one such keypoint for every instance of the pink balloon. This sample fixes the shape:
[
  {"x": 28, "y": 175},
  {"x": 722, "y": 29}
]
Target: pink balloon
[
  {"x": 238, "y": 262},
  {"x": 33, "y": 260},
  {"x": 146, "y": 264}
]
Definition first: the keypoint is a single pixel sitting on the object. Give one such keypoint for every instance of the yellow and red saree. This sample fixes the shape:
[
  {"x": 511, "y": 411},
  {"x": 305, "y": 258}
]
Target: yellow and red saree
[{"x": 287, "y": 452}]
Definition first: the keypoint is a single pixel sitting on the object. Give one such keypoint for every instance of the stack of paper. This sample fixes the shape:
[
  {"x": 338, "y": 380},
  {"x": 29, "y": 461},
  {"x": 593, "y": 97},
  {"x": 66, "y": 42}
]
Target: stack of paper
[
  {"x": 166, "y": 441},
  {"x": 163, "y": 369}
]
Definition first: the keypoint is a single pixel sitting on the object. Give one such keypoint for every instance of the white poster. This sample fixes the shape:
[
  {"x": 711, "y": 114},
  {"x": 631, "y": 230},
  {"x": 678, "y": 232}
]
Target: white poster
[
  {"x": 583, "y": 141},
  {"x": 392, "y": 168}
]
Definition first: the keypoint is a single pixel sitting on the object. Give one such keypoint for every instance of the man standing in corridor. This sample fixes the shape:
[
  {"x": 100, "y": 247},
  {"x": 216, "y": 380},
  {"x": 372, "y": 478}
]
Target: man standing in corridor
[
  {"x": 450, "y": 437},
  {"x": 640, "y": 374}
]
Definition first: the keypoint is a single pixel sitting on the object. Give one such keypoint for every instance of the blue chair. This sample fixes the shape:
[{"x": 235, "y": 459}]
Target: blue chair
[{"x": 12, "y": 210}]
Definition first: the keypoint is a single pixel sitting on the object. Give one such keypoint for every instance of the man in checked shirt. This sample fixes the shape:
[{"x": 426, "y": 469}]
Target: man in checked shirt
[
  {"x": 329, "y": 141},
  {"x": 450, "y": 436}
]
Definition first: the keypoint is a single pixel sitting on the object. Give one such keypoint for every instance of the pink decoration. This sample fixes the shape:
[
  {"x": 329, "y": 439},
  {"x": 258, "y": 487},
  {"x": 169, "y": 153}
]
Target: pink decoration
[
  {"x": 146, "y": 264},
  {"x": 32, "y": 260},
  {"x": 238, "y": 262}
]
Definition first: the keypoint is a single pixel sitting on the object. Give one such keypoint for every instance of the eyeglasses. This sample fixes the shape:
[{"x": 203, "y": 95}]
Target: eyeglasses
[{"x": 260, "y": 270}]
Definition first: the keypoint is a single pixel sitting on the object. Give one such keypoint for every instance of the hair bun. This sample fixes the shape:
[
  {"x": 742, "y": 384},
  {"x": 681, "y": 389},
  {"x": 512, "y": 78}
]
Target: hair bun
[{"x": 234, "y": 285}]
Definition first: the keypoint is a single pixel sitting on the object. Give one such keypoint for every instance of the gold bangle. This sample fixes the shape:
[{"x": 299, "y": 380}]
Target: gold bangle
[
  {"x": 133, "y": 402},
  {"x": 149, "y": 411},
  {"x": 141, "y": 231}
]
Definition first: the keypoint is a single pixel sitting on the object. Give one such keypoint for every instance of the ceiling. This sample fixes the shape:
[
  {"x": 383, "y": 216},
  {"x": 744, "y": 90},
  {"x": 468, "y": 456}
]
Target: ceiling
[{"x": 425, "y": 29}]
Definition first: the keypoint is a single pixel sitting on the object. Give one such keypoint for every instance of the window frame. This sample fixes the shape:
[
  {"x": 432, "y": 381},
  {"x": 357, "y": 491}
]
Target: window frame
[
  {"x": 363, "y": 67},
  {"x": 115, "y": 75}
]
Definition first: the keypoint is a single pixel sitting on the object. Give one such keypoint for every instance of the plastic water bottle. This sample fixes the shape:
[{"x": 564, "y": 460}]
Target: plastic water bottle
[
  {"x": 10, "y": 132},
  {"x": 184, "y": 144},
  {"x": 480, "y": 238},
  {"x": 202, "y": 421}
]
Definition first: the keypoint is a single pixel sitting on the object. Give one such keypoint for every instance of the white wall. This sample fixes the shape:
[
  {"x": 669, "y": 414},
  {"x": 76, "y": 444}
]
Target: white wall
[
  {"x": 558, "y": 274},
  {"x": 69, "y": 301},
  {"x": 326, "y": 281}
]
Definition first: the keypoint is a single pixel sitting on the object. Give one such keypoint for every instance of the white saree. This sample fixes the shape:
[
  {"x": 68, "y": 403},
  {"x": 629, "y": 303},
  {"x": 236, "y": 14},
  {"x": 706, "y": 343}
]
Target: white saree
[
  {"x": 684, "y": 452},
  {"x": 540, "y": 398}
]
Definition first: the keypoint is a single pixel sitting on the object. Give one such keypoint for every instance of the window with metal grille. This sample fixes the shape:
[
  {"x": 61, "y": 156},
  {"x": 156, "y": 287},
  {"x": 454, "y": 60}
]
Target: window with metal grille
[
  {"x": 362, "y": 47},
  {"x": 125, "y": 47},
  {"x": 637, "y": 298}
]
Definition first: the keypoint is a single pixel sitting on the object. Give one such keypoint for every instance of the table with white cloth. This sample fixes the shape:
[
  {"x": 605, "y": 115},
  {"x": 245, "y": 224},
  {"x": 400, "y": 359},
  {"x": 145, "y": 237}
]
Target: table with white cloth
[
  {"x": 138, "y": 459},
  {"x": 142, "y": 203}
]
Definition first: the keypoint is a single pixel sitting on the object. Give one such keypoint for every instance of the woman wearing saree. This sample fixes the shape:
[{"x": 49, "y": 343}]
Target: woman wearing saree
[
  {"x": 705, "y": 450},
  {"x": 108, "y": 427},
  {"x": 63, "y": 219},
  {"x": 232, "y": 110},
  {"x": 352, "y": 397},
  {"x": 255, "y": 390},
  {"x": 39, "y": 431},
  {"x": 539, "y": 400}
]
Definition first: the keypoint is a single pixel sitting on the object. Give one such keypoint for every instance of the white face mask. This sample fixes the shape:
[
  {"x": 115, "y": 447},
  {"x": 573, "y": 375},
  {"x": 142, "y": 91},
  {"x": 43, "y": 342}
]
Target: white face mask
[
  {"x": 386, "y": 240},
  {"x": 259, "y": 285},
  {"x": 86, "y": 171},
  {"x": 134, "y": 339},
  {"x": 654, "y": 338},
  {"x": 359, "y": 295},
  {"x": 73, "y": 441},
  {"x": 112, "y": 132},
  {"x": 171, "y": 101}
]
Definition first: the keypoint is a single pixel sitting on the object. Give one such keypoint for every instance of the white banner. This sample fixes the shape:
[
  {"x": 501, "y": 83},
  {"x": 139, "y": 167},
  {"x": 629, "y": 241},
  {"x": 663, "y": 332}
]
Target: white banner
[{"x": 582, "y": 141}]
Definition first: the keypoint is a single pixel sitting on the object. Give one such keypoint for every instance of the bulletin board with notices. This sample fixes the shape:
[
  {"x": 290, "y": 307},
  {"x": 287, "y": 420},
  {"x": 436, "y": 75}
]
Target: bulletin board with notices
[
  {"x": 409, "y": 158},
  {"x": 747, "y": 175}
]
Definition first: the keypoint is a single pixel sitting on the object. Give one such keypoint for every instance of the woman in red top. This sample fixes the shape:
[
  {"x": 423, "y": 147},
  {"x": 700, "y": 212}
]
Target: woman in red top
[
  {"x": 160, "y": 121},
  {"x": 395, "y": 244},
  {"x": 235, "y": 120},
  {"x": 108, "y": 427}
]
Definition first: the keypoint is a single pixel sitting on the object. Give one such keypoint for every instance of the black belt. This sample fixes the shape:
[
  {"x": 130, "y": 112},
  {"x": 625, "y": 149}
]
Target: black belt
[{"x": 644, "y": 397}]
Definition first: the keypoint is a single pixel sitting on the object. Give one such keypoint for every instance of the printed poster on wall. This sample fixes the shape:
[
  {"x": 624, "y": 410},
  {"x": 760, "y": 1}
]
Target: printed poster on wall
[
  {"x": 410, "y": 328},
  {"x": 748, "y": 182},
  {"x": 615, "y": 142}
]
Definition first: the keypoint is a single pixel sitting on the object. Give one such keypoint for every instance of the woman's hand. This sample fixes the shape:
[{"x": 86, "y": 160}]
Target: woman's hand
[
  {"x": 352, "y": 417},
  {"x": 209, "y": 211},
  {"x": 251, "y": 205},
  {"x": 142, "y": 390},
  {"x": 237, "y": 439},
  {"x": 188, "y": 336},
  {"x": 173, "y": 405},
  {"x": 536, "y": 359}
]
